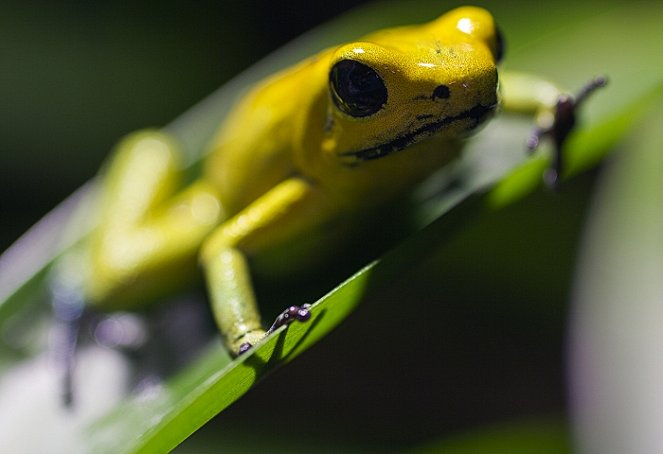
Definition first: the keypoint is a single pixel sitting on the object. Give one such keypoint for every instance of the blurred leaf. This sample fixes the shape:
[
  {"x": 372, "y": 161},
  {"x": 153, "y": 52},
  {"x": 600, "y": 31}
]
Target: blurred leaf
[
  {"x": 617, "y": 368},
  {"x": 513, "y": 438}
]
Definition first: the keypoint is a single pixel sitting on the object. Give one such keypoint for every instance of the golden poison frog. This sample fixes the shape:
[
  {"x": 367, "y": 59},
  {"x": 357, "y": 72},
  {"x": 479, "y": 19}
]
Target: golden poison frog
[{"x": 307, "y": 149}]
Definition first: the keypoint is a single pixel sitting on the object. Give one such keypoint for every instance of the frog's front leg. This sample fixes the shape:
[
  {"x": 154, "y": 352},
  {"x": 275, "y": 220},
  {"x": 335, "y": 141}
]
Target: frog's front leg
[
  {"x": 554, "y": 110},
  {"x": 564, "y": 122},
  {"x": 288, "y": 210}
]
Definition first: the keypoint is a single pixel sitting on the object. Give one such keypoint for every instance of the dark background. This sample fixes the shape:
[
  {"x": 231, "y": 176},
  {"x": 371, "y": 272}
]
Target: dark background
[{"x": 75, "y": 76}]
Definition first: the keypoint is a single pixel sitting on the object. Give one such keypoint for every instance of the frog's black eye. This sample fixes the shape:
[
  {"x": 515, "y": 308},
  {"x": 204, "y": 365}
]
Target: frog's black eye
[
  {"x": 499, "y": 45},
  {"x": 356, "y": 89}
]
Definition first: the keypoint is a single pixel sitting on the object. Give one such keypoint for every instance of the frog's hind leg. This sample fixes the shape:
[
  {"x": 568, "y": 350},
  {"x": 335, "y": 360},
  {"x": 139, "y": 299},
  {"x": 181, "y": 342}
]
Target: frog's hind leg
[
  {"x": 145, "y": 244},
  {"x": 150, "y": 231}
]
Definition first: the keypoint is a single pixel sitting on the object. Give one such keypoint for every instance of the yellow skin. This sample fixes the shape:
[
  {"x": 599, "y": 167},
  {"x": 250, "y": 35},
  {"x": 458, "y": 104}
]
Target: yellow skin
[{"x": 294, "y": 157}]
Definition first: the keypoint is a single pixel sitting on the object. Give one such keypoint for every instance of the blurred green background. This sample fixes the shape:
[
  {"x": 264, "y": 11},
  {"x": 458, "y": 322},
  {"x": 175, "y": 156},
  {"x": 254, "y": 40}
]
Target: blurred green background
[{"x": 484, "y": 344}]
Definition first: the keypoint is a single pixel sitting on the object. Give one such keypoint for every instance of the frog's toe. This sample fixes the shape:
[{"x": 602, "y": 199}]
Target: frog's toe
[
  {"x": 244, "y": 343},
  {"x": 300, "y": 313},
  {"x": 293, "y": 313}
]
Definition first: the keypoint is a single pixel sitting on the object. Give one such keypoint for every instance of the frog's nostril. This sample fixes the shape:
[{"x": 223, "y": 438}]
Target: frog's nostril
[{"x": 441, "y": 92}]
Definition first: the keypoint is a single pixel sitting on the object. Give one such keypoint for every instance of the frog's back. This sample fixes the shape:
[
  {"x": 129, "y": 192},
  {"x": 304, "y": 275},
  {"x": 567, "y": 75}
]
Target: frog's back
[{"x": 253, "y": 148}]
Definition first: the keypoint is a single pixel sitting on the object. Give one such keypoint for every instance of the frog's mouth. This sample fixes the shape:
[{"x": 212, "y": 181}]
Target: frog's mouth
[{"x": 477, "y": 113}]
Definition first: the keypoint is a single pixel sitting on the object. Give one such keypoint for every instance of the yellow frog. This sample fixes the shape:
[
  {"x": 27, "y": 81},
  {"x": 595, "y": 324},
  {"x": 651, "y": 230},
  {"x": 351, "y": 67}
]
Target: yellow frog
[{"x": 306, "y": 151}]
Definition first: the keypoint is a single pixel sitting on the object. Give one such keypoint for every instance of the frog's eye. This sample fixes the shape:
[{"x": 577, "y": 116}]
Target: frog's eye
[{"x": 356, "y": 88}]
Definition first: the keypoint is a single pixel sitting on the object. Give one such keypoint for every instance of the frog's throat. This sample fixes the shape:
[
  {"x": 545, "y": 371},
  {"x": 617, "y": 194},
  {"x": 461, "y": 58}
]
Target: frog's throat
[{"x": 477, "y": 113}]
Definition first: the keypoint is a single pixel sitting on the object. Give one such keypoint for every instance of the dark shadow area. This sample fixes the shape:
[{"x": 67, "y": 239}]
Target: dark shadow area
[{"x": 445, "y": 345}]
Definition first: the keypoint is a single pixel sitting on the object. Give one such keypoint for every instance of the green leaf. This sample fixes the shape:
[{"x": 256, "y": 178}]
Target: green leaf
[{"x": 214, "y": 382}]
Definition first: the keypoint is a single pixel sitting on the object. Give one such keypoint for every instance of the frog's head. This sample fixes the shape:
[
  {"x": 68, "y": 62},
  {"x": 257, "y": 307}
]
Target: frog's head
[{"x": 403, "y": 85}]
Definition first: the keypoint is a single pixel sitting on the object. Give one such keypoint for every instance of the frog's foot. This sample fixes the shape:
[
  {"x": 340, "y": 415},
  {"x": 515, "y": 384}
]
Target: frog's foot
[
  {"x": 299, "y": 313},
  {"x": 563, "y": 122},
  {"x": 291, "y": 314}
]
